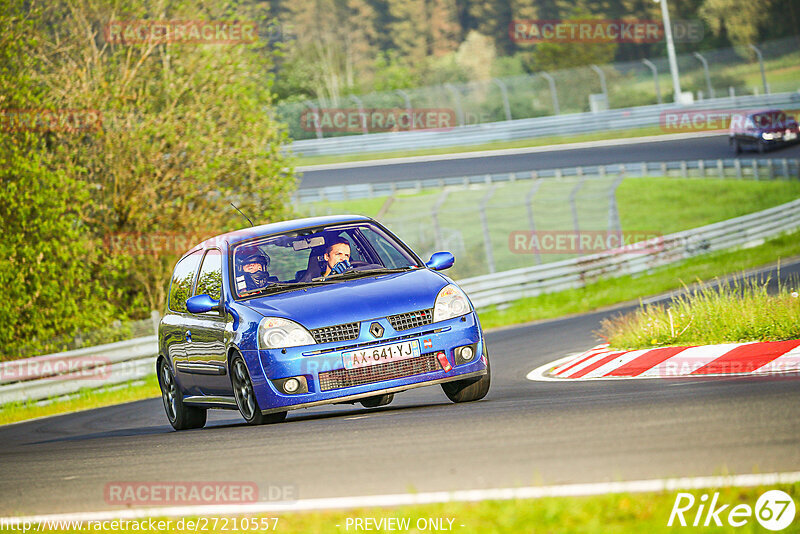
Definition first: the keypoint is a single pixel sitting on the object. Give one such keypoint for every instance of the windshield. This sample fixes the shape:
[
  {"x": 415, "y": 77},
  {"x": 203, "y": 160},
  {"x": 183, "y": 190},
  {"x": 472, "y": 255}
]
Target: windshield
[{"x": 309, "y": 257}]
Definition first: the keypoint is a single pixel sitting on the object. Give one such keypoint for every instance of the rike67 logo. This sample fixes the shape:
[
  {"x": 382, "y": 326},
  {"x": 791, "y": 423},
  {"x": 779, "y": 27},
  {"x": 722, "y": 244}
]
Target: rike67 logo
[{"x": 774, "y": 510}]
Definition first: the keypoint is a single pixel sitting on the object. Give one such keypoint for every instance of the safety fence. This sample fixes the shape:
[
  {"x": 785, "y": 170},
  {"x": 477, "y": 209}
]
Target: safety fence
[
  {"x": 105, "y": 365},
  {"x": 557, "y": 125}
]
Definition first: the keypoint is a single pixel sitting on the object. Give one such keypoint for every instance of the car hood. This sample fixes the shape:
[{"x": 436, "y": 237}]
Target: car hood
[{"x": 354, "y": 300}]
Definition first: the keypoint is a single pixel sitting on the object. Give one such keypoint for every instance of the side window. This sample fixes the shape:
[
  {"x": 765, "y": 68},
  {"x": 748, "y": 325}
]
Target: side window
[
  {"x": 182, "y": 278},
  {"x": 210, "y": 280}
]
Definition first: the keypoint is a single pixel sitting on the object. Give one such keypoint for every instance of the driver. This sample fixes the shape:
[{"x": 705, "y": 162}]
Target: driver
[
  {"x": 253, "y": 270},
  {"x": 337, "y": 257}
]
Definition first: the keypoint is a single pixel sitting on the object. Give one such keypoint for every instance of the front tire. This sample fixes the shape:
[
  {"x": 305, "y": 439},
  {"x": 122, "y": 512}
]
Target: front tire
[
  {"x": 180, "y": 416},
  {"x": 737, "y": 149},
  {"x": 246, "y": 397},
  {"x": 471, "y": 389},
  {"x": 762, "y": 146}
]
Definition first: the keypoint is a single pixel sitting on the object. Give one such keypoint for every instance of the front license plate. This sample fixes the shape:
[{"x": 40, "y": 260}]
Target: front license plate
[{"x": 382, "y": 354}]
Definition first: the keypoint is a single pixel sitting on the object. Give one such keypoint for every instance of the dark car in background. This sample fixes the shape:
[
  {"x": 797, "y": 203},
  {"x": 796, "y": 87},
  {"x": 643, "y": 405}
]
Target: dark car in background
[{"x": 762, "y": 130}]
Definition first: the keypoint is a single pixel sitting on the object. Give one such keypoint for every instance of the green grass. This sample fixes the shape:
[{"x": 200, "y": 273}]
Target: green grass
[
  {"x": 495, "y": 145},
  {"x": 614, "y": 513},
  {"x": 736, "y": 310},
  {"x": 83, "y": 400},
  {"x": 613, "y": 291},
  {"x": 670, "y": 205}
]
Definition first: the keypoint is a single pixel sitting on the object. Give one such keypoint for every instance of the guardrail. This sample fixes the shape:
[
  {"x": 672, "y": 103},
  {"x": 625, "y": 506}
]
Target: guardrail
[
  {"x": 572, "y": 124},
  {"x": 68, "y": 372},
  {"x": 499, "y": 288},
  {"x": 739, "y": 168}
]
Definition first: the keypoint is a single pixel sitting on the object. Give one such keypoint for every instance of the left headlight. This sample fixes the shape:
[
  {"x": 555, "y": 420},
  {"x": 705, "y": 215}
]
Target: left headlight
[
  {"x": 450, "y": 302},
  {"x": 279, "y": 333}
]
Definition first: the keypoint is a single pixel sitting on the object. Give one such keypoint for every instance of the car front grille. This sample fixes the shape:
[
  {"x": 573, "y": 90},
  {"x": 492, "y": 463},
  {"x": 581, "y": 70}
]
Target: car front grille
[
  {"x": 404, "y": 321},
  {"x": 344, "y": 378},
  {"x": 339, "y": 332}
]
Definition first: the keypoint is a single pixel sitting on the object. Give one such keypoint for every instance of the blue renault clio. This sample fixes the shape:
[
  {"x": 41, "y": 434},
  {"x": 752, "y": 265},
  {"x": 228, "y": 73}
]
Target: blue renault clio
[{"x": 314, "y": 311}]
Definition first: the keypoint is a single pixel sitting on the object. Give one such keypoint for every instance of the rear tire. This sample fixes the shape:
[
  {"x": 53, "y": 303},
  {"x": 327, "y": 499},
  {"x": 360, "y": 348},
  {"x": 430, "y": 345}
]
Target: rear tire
[
  {"x": 471, "y": 389},
  {"x": 378, "y": 400},
  {"x": 179, "y": 415},
  {"x": 246, "y": 397}
]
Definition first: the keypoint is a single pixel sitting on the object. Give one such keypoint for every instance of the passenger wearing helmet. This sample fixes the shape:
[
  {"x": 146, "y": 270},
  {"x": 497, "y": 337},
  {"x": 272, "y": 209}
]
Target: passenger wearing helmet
[{"x": 252, "y": 270}]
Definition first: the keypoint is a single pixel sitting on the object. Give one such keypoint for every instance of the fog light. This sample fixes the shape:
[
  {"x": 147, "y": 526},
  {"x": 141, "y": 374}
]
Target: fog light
[
  {"x": 291, "y": 385},
  {"x": 465, "y": 354},
  {"x": 294, "y": 385}
]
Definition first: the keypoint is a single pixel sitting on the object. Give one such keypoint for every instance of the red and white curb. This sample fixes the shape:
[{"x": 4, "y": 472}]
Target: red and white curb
[{"x": 730, "y": 359}]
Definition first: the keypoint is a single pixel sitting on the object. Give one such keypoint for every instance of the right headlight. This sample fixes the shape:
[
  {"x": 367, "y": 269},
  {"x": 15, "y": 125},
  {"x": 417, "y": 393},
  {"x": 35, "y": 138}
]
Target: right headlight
[
  {"x": 450, "y": 302},
  {"x": 279, "y": 333}
]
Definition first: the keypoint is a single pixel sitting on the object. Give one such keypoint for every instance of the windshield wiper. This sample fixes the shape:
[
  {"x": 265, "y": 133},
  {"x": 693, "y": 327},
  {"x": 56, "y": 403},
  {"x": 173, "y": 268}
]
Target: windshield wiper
[
  {"x": 284, "y": 286},
  {"x": 349, "y": 275}
]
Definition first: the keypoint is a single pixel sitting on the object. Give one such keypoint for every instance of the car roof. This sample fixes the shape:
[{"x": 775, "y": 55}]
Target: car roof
[{"x": 280, "y": 227}]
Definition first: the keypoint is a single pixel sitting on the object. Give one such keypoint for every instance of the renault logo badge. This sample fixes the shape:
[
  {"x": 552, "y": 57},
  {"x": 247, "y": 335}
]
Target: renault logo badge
[{"x": 376, "y": 329}]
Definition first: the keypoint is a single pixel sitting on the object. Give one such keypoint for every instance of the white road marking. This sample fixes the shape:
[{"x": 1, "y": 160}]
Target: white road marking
[
  {"x": 504, "y": 152},
  {"x": 404, "y": 499}
]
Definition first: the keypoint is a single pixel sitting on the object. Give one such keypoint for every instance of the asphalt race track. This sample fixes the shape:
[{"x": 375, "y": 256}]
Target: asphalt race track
[
  {"x": 714, "y": 147},
  {"x": 523, "y": 433}
]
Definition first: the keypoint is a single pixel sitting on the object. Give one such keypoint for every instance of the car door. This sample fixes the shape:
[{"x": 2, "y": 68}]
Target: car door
[
  {"x": 174, "y": 332},
  {"x": 206, "y": 358}
]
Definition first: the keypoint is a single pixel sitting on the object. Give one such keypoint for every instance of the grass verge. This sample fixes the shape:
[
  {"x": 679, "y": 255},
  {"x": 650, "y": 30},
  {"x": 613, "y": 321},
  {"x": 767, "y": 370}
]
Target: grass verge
[
  {"x": 614, "y": 513},
  {"x": 496, "y": 145},
  {"x": 82, "y": 400},
  {"x": 734, "y": 311},
  {"x": 626, "y": 288}
]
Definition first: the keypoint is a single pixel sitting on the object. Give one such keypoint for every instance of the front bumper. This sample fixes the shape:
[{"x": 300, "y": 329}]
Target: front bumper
[{"x": 326, "y": 359}]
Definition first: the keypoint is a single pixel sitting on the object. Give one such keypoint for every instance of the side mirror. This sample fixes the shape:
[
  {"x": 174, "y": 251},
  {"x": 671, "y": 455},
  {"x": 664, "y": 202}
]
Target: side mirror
[
  {"x": 440, "y": 261},
  {"x": 201, "y": 304}
]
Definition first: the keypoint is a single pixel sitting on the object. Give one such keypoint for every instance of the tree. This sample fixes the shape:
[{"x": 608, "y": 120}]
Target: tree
[
  {"x": 183, "y": 130},
  {"x": 740, "y": 20}
]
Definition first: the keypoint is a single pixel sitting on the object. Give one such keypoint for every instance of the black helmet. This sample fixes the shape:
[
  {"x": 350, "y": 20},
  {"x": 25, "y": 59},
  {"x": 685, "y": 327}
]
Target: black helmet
[{"x": 251, "y": 255}]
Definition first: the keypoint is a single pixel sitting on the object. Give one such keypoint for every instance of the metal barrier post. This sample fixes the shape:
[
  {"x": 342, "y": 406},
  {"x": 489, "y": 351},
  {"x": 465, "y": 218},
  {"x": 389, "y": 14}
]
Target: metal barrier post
[
  {"x": 457, "y": 96},
  {"x": 487, "y": 240},
  {"x": 437, "y": 230},
  {"x": 531, "y": 220},
  {"x": 705, "y": 69},
  {"x": 155, "y": 316},
  {"x": 504, "y": 91},
  {"x": 603, "y": 86},
  {"x": 652, "y": 67},
  {"x": 574, "y": 207},
  {"x": 554, "y": 95},
  {"x": 362, "y": 114},
  {"x": 761, "y": 65},
  {"x": 408, "y": 105},
  {"x": 317, "y": 126}
]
